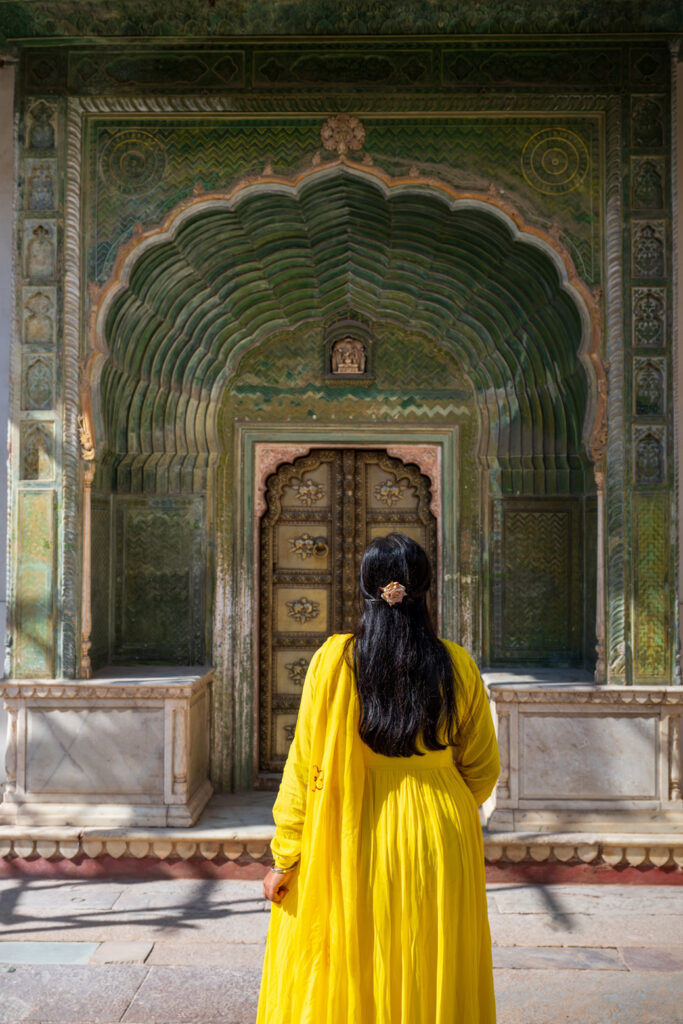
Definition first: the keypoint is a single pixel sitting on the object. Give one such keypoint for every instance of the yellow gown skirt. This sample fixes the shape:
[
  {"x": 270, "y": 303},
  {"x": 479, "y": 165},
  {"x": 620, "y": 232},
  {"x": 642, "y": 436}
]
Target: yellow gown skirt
[
  {"x": 424, "y": 931},
  {"x": 385, "y": 921}
]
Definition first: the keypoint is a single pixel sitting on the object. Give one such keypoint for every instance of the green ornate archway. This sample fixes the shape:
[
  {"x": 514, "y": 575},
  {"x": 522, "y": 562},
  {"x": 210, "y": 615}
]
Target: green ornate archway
[{"x": 250, "y": 278}]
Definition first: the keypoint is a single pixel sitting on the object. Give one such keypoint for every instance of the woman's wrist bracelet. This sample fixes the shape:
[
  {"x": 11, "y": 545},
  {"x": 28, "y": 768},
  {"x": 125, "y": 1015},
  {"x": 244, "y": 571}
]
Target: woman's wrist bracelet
[{"x": 284, "y": 871}]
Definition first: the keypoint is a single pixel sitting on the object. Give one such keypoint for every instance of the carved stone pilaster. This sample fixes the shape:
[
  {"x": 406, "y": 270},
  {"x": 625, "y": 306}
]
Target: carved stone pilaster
[
  {"x": 675, "y": 757},
  {"x": 11, "y": 751},
  {"x": 179, "y": 752},
  {"x": 503, "y": 787}
]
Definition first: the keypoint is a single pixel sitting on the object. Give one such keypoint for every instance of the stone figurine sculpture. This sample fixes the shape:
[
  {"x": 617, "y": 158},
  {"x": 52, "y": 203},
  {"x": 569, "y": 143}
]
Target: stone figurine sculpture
[{"x": 348, "y": 356}]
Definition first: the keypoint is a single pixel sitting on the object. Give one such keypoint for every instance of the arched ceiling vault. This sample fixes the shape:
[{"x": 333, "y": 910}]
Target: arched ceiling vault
[{"x": 226, "y": 271}]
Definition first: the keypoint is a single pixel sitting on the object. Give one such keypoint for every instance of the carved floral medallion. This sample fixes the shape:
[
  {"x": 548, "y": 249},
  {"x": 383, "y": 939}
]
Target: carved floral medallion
[{"x": 303, "y": 609}]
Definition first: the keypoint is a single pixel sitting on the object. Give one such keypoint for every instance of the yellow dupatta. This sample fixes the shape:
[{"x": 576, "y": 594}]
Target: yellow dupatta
[{"x": 311, "y": 971}]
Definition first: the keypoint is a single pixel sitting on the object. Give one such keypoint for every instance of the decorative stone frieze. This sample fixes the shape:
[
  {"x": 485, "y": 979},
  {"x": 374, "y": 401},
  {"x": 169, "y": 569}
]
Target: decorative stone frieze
[{"x": 644, "y": 851}]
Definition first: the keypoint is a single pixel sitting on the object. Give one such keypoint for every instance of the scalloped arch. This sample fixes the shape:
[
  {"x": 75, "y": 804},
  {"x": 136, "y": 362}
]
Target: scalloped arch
[{"x": 226, "y": 270}]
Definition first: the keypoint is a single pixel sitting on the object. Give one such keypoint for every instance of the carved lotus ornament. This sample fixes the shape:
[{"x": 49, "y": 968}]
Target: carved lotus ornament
[{"x": 342, "y": 133}]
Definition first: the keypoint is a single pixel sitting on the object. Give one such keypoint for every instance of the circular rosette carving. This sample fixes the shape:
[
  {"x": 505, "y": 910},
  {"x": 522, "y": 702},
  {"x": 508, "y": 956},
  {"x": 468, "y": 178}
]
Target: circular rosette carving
[
  {"x": 555, "y": 160},
  {"x": 132, "y": 161}
]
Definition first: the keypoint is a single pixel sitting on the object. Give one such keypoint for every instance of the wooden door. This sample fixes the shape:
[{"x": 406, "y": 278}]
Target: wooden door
[{"x": 322, "y": 511}]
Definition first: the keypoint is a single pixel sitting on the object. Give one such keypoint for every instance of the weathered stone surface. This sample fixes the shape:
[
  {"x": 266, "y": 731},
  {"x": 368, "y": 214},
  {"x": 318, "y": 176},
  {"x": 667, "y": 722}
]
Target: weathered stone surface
[
  {"x": 570, "y": 997},
  {"x": 589, "y": 899},
  {"x": 112, "y": 952},
  {"x": 207, "y": 954},
  {"x": 67, "y": 993},
  {"x": 643, "y": 958},
  {"x": 585, "y": 929},
  {"x": 583, "y": 958},
  {"x": 600, "y": 757},
  {"x": 196, "y": 993}
]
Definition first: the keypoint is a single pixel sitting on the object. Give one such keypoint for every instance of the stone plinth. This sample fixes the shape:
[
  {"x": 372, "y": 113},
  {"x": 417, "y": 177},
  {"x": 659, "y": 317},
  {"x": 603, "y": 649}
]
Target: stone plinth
[
  {"x": 583, "y": 758},
  {"x": 128, "y": 747}
]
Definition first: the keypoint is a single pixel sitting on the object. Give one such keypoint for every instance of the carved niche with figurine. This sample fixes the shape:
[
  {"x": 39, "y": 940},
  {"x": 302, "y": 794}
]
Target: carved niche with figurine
[{"x": 348, "y": 355}]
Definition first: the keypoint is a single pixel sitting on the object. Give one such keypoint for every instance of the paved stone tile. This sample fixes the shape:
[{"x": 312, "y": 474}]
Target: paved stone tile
[
  {"x": 586, "y": 930},
  {"x": 217, "y": 910},
  {"x": 588, "y": 899},
  {"x": 67, "y": 993},
  {"x": 121, "y": 953},
  {"x": 587, "y": 997},
  {"x": 244, "y": 928},
  {"x": 97, "y": 930},
  {"x": 46, "y": 952},
  {"x": 653, "y": 958},
  {"x": 192, "y": 894},
  {"x": 212, "y": 995},
  {"x": 208, "y": 954},
  {"x": 584, "y": 958},
  {"x": 32, "y": 896}
]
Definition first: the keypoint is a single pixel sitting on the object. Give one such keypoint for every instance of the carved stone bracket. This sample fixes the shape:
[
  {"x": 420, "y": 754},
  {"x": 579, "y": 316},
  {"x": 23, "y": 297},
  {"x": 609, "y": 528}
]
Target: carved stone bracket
[
  {"x": 268, "y": 458},
  {"x": 427, "y": 457}
]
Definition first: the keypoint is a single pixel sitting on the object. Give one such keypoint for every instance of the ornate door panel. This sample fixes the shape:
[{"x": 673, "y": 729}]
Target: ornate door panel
[{"x": 322, "y": 511}]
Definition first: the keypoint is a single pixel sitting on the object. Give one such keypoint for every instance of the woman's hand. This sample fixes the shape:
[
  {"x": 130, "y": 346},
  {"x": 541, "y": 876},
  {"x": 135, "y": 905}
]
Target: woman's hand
[{"x": 275, "y": 885}]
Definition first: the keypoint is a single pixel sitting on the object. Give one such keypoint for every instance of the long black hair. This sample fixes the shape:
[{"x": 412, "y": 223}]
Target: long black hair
[{"x": 404, "y": 674}]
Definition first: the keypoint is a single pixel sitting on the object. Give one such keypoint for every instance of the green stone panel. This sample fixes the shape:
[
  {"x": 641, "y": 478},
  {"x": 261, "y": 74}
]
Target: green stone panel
[
  {"x": 652, "y": 588},
  {"x": 160, "y": 581},
  {"x": 101, "y": 579},
  {"x": 34, "y": 600},
  {"x": 537, "y": 582}
]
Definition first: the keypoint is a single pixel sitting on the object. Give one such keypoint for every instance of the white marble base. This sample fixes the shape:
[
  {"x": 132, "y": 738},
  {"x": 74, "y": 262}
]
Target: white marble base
[
  {"x": 128, "y": 747},
  {"x": 582, "y": 758}
]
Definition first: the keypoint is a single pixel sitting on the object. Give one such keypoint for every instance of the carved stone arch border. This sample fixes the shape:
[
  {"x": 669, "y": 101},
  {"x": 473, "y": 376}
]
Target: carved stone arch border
[{"x": 594, "y": 427}]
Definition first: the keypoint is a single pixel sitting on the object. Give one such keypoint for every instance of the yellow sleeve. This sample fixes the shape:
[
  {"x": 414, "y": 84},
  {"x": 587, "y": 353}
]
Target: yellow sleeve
[
  {"x": 289, "y": 809},
  {"x": 476, "y": 753}
]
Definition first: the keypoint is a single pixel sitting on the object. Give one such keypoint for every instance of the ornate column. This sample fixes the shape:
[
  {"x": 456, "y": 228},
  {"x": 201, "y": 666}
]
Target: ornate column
[{"x": 615, "y": 546}]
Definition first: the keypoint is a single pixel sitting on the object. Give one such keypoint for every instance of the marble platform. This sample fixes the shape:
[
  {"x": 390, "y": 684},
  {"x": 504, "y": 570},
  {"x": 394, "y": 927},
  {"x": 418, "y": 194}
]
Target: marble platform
[
  {"x": 127, "y": 747},
  {"x": 576, "y": 757}
]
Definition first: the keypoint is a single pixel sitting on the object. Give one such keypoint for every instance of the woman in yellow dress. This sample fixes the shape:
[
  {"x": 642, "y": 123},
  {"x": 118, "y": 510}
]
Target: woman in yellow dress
[{"x": 378, "y": 893}]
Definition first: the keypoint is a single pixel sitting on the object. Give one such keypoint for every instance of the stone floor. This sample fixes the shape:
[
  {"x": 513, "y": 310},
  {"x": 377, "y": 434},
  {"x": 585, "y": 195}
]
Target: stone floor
[{"x": 178, "y": 951}]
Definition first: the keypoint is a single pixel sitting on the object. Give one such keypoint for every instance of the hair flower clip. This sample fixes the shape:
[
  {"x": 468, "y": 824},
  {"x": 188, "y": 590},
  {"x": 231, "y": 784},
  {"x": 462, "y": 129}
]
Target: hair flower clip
[{"x": 393, "y": 593}]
